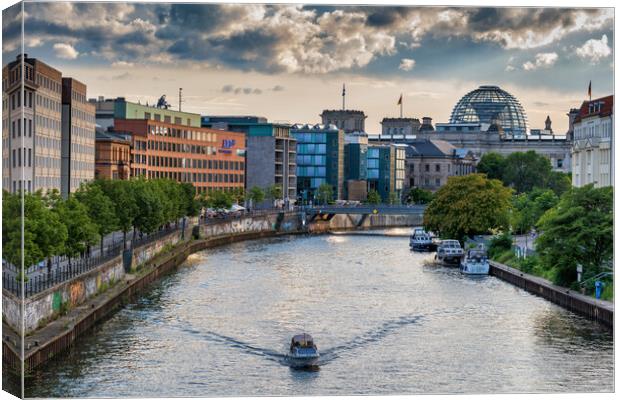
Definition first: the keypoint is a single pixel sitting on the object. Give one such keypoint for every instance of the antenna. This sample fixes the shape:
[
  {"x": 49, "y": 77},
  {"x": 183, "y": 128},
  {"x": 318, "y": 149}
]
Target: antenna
[
  {"x": 343, "y": 97},
  {"x": 180, "y": 97}
]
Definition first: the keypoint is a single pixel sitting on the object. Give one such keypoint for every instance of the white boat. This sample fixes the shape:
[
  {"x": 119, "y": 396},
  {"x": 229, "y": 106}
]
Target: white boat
[
  {"x": 420, "y": 240},
  {"x": 449, "y": 251},
  {"x": 303, "y": 351},
  {"x": 476, "y": 261}
]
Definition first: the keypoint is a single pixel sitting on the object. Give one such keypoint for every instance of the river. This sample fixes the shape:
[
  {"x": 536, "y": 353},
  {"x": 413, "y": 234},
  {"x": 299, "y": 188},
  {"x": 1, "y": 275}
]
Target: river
[{"x": 386, "y": 321}]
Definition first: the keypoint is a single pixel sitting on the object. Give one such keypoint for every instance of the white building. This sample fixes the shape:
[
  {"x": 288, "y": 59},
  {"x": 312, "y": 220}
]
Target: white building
[{"x": 592, "y": 152}]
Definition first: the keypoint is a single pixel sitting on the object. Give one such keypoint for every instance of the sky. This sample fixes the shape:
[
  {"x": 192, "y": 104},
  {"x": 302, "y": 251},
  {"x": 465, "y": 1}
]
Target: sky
[{"x": 289, "y": 62}]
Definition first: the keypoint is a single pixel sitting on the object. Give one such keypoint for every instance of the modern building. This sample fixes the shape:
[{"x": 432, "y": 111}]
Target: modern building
[
  {"x": 347, "y": 120},
  {"x": 386, "y": 169},
  {"x": 209, "y": 159},
  {"x": 356, "y": 166},
  {"x": 107, "y": 110},
  {"x": 271, "y": 152},
  {"x": 32, "y": 121},
  {"x": 592, "y": 151},
  {"x": 320, "y": 159},
  {"x": 112, "y": 155},
  {"x": 78, "y": 137},
  {"x": 430, "y": 163}
]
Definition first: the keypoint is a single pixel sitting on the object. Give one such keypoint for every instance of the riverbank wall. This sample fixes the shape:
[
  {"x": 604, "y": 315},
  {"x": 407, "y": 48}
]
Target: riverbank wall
[
  {"x": 597, "y": 310},
  {"x": 56, "y": 317}
]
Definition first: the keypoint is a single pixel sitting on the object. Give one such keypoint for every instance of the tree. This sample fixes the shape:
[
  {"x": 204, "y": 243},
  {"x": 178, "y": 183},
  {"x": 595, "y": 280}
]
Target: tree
[
  {"x": 100, "y": 209},
  {"x": 125, "y": 206},
  {"x": 393, "y": 198},
  {"x": 492, "y": 164},
  {"x": 419, "y": 196},
  {"x": 529, "y": 207},
  {"x": 256, "y": 195},
  {"x": 82, "y": 232},
  {"x": 468, "y": 205},
  {"x": 373, "y": 197},
  {"x": 274, "y": 192},
  {"x": 577, "y": 231},
  {"x": 525, "y": 171},
  {"x": 221, "y": 199},
  {"x": 559, "y": 182},
  {"x": 238, "y": 195},
  {"x": 149, "y": 203},
  {"x": 325, "y": 193},
  {"x": 191, "y": 205}
]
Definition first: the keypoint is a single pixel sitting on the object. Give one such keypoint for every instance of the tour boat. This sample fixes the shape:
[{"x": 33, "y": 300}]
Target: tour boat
[
  {"x": 476, "y": 261},
  {"x": 303, "y": 351},
  {"x": 449, "y": 251},
  {"x": 420, "y": 240}
]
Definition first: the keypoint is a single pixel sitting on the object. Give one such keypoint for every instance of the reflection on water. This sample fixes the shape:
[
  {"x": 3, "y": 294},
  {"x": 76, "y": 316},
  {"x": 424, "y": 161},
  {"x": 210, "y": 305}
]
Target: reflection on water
[{"x": 385, "y": 320}]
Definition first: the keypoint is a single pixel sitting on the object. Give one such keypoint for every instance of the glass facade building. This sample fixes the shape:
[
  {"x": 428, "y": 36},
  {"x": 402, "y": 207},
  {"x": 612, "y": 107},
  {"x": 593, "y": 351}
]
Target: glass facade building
[
  {"x": 320, "y": 159},
  {"x": 493, "y": 106}
]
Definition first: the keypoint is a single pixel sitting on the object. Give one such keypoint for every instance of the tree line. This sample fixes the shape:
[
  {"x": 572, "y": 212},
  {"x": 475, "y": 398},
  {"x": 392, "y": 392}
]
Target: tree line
[
  {"x": 54, "y": 226},
  {"x": 520, "y": 194}
]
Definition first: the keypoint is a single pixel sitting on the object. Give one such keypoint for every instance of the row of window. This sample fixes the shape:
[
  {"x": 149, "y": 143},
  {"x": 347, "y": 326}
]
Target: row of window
[
  {"x": 311, "y": 160},
  {"x": 48, "y": 103},
  {"x": 47, "y": 142},
  {"x": 82, "y": 148},
  {"x": 591, "y": 130},
  {"x": 182, "y": 133},
  {"x": 167, "y": 118},
  {"x": 310, "y": 137},
  {"x": 48, "y": 123},
  {"x": 16, "y": 128},
  {"x": 77, "y": 165},
  {"x": 47, "y": 162},
  {"x": 191, "y": 176},
  {"x": 76, "y": 113},
  {"x": 181, "y": 147},
  {"x": 310, "y": 171},
  {"x": 175, "y": 162},
  {"x": 17, "y": 157},
  {"x": 309, "y": 148}
]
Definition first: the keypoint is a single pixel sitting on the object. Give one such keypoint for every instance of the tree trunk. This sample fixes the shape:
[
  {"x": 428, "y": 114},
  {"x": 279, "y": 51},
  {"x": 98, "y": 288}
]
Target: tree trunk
[
  {"x": 124, "y": 240},
  {"x": 101, "y": 247}
]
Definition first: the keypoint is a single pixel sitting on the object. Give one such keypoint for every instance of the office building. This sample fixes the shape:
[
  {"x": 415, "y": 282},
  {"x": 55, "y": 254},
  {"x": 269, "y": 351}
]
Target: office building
[
  {"x": 386, "y": 169},
  {"x": 320, "y": 159},
  {"x": 112, "y": 155},
  {"x": 78, "y": 137},
  {"x": 356, "y": 166},
  {"x": 592, "y": 151},
  {"x": 271, "y": 152}
]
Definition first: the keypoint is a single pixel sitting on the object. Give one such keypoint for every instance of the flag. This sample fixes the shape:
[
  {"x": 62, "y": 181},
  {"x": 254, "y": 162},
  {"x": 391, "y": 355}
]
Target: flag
[
  {"x": 343, "y": 91},
  {"x": 400, "y": 100},
  {"x": 590, "y": 90}
]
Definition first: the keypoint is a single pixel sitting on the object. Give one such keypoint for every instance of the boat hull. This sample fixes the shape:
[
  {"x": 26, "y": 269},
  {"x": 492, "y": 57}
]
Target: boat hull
[
  {"x": 475, "y": 268},
  {"x": 302, "y": 362}
]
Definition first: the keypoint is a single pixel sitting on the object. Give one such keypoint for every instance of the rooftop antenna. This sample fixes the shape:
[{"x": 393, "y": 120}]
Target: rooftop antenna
[
  {"x": 343, "y": 97},
  {"x": 180, "y": 97}
]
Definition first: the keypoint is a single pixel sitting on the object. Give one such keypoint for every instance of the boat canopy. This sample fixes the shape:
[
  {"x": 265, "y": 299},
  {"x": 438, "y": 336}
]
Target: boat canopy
[{"x": 303, "y": 340}]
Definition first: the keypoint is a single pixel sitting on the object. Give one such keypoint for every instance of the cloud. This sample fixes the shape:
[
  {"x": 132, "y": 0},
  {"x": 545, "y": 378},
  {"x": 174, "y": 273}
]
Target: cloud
[
  {"x": 66, "y": 51},
  {"x": 542, "y": 60},
  {"x": 284, "y": 38},
  {"x": 278, "y": 88},
  {"x": 406, "y": 64},
  {"x": 122, "y": 64},
  {"x": 509, "y": 68},
  {"x": 594, "y": 50},
  {"x": 239, "y": 90}
]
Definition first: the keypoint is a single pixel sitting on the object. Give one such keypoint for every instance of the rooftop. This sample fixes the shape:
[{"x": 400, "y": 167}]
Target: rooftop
[{"x": 601, "y": 107}]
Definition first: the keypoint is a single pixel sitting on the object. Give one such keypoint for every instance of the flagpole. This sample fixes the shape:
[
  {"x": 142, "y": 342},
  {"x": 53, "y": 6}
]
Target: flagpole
[{"x": 401, "y": 105}]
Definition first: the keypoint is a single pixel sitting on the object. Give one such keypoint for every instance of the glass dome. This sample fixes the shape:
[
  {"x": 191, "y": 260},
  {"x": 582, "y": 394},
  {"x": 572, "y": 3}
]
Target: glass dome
[{"x": 491, "y": 105}]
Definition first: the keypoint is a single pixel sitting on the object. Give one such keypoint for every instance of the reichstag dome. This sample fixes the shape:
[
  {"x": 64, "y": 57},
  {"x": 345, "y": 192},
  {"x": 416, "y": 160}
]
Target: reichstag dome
[{"x": 494, "y": 106}]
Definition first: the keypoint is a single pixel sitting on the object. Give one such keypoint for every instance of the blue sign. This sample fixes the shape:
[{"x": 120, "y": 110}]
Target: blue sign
[{"x": 228, "y": 143}]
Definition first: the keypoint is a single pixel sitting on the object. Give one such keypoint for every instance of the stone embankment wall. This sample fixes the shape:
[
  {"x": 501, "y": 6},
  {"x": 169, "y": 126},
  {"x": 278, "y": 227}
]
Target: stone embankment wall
[{"x": 598, "y": 310}]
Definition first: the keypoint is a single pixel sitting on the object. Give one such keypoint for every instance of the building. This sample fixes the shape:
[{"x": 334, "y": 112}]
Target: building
[
  {"x": 592, "y": 151},
  {"x": 347, "y": 120},
  {"x": 209, "y": 159},
  {"x": 356, "y": 166},
  {"x": 78, "y": 137},
  {"x": 430, "y": 163},
  {"x": 32, "y": 147},
  {"x": 112, "y": 155},
  {"x": 490, "y": 119},
  {"x": 386, "y": 169},
  {"x": 320, "y": 159},
  {"x": 271, "y": 152},
  {"x": 399, "y": 128},
  {"x": 107, "y": 110}
]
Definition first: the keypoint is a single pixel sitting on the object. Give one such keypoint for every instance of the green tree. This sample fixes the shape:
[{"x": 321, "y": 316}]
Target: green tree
[
  {"x": 149, "y": 203},
  {"x": 238, "y": 195},
  {"x": 256, "y": 195},
  {"x": 100, "y": 209},
  {"x": 529, "y": 207},
  {"x": 191, "y": 204},
  {"x": 373, "y": 197},
  {"x": 526, "y": 171},
  {"x": 125, "y": 206},
  {"x": 500, "y": 244},
  {"x": 221, "y": 199},
  {"x": 393, "y": 198},
  {"x": 274, "y": 192},
  {"x": 559, "y": 182},
  {"x": 325, "y": 193},
  {"x": 82, "y": 232},
  {"x": 468, "y": 205},
  {"x": 577, "y": 231},
  {"x": 492, "y": 164},
  {"x": 419, "y": 196}
]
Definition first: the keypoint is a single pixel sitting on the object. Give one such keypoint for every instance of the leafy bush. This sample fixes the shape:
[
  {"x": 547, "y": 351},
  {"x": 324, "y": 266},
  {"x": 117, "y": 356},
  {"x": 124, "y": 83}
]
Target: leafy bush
[{"x": 500, "y": 244}]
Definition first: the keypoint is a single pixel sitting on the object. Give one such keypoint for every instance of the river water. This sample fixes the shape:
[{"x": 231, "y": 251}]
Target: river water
[{"x": 386, "y": 321}]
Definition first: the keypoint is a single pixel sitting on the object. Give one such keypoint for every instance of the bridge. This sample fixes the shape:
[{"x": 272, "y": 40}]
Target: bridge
[{"x": 329, "y": 211}]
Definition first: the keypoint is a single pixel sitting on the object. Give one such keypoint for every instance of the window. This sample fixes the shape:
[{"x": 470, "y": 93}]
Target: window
[
  {"x": 427, "y": 168},
  {"x": 147, "y": 115},
  {"x": 437, "y": 167},
  {"x": 437, "y": 182}
]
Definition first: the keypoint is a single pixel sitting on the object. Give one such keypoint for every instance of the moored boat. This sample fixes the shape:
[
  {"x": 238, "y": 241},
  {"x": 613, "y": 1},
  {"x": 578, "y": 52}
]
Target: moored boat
[
  {"x": 420, "y": 240},
  {"x": 449, "y": 251},
  {"x": 476, "y": 261}
]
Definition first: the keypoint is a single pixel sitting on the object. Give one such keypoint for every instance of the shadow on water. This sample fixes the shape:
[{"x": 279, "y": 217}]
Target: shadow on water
[{"x": 327, "y": 355}]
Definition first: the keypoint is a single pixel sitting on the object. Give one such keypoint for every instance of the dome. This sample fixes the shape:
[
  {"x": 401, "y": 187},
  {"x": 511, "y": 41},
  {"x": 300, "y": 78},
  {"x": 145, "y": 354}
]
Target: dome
[{"x": 491, "y": 105}]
